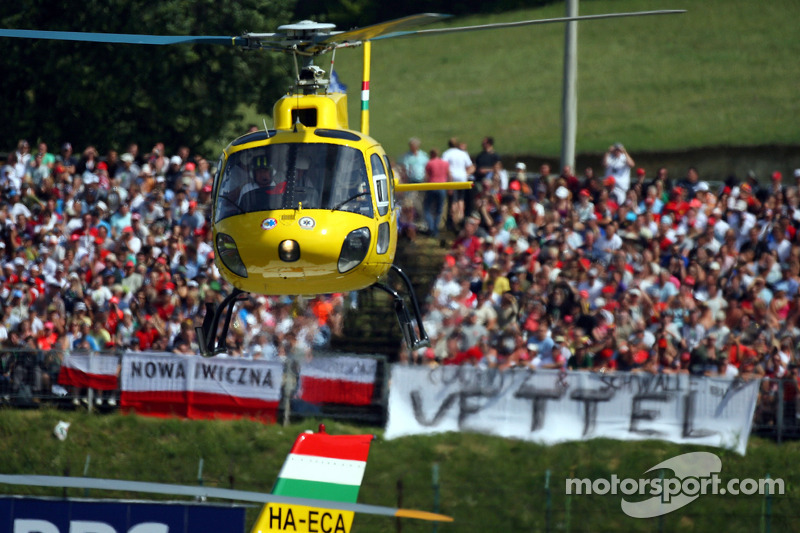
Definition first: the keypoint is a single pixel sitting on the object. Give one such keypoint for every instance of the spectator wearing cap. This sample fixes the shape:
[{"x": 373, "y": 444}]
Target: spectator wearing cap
[
  {"x": 192, "y": 219},
  {"x": 618, "y": 163},
  {"x": 121, "y": 219},
  {"x": 174, "y": 172},
  {"x": 128, "y": 171}
]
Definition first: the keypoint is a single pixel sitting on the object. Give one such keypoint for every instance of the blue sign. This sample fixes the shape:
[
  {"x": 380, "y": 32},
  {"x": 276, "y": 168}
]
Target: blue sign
[{"x": 46, "y": 515}]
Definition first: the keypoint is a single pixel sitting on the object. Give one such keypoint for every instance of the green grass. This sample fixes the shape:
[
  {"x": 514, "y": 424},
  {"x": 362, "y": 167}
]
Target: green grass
[
  {"x": 487, "y": 483},
  {"x": 725, "y": 73}
]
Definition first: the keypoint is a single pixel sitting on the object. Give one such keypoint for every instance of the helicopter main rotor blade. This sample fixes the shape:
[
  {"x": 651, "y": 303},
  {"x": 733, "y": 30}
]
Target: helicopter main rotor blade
[
  {"x": 211, "y": 492},
  {"x": 123, "y": 38},
  {"x": 437, "y": 31},
  {"x": 371, "y": 32}
]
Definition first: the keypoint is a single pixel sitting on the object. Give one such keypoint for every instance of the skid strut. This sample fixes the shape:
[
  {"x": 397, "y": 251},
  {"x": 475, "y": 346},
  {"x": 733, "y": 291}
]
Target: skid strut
[
  {"x": 415, "y": 338},
  {"x": 207, "y": 333}
]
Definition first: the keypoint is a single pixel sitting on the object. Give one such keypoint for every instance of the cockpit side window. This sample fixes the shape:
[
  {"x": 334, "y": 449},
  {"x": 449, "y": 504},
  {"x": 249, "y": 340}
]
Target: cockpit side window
[
  {"x": 381, "y": 182},
  {"x": 294, "y": 176}
]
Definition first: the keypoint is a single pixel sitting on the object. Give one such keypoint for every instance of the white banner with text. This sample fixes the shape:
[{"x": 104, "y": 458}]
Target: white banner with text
[
  {"x": 551, "y": 406},
  {"x": 196, "y": 387}
]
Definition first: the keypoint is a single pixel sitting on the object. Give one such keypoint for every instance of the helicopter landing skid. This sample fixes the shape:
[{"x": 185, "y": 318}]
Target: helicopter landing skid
[
  {"x": 207, "y": 333},
  {"x": 414, "y": 339}
]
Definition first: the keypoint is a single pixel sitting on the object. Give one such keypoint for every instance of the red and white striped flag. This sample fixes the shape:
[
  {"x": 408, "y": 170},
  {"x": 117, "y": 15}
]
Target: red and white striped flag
[{"x": 95, "y": 371}]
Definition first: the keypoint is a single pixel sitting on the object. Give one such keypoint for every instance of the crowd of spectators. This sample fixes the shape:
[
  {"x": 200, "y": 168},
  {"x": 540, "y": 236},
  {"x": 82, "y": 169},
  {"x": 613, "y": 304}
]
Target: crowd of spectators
[
  {"x": 623, "y": 270},
  {"x": 114, "y": 252}
]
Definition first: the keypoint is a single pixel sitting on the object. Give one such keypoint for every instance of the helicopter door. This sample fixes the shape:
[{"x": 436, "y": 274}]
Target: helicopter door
[{"x": 381, "y": 184}]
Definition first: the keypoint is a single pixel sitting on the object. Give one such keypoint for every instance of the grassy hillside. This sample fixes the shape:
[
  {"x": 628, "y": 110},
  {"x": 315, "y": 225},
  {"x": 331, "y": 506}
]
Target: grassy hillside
[
  {"x": 725, "y": 73},
  {"x": 487, "y": 484}
]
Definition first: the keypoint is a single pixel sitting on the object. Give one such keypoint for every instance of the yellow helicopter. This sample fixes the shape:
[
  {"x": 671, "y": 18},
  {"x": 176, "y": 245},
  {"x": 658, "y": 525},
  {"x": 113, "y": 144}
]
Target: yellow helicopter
[{"x": 308, "y": 207}]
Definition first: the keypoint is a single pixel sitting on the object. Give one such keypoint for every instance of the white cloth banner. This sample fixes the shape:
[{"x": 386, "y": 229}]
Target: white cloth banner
[
  {"x": 341, "y": 368},
  {"x": 153, "y": 372},
  {"x": 100, "y": 365},
  {"x": 551, "y": 407}
]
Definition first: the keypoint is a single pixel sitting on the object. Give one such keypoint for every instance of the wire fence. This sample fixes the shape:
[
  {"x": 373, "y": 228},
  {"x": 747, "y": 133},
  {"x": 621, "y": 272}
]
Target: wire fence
[{"x": 29, "y": 379}]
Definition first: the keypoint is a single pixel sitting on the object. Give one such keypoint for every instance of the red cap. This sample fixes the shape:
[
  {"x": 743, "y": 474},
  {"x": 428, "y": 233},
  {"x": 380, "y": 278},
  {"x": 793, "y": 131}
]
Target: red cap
[
  {"x": 585, "y": 192},
  {"x": 609, "y": 181},
  {"x": 102, "y": 165},
  {"x": 584, "y": 293},
  {"x": 688, "y": 280},
  {"x": 745, "y": 187},
  {"x": 641, "y": 356},
  {"x": 207, "y": 188},
  {"x": 190, "y": 167},
  {"x": 640, "y": 171},
  {"x": 515, "y": 186},
  {"x": 662, "y": 342},
  {"x": 777, "y": 176}
]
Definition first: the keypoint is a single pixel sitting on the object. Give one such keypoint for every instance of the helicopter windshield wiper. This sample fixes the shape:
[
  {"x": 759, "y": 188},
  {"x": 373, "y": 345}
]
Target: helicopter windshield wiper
[{"x": 342, "y": 204}]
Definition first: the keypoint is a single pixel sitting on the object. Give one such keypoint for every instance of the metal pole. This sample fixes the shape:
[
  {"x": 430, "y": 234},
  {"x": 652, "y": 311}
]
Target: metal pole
[
  {"x": 767, "y": 510},
  {"x": 435, "y": 475},
  {"x": 779, "y": 413},
  {"x": 86, "y": 473},
  {"x": 549, "y": 501},
  {"x": 200, "y": 479},
  {"x": 569, "y": 101},
  {"x": 398, "y": 523}
]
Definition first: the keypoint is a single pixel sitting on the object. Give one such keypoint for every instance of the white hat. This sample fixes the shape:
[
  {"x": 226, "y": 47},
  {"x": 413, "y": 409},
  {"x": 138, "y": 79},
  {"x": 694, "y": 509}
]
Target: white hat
[
  {"x": 175, "y": 160},
  {"x": 127, "y": 158},
  {"x": 702, "y": 186},
  {"x": 523, "y": 166},
  {"x": 797, "y": 173},
  {"x": 562, "y": 193}
]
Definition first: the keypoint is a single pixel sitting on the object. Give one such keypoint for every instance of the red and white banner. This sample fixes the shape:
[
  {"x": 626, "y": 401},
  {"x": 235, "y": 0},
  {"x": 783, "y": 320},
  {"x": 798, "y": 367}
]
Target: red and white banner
[
  {"x": 195, "y": 387},
  {"x": 342, "y": 380},
  {"x": 95, "y": 371}
]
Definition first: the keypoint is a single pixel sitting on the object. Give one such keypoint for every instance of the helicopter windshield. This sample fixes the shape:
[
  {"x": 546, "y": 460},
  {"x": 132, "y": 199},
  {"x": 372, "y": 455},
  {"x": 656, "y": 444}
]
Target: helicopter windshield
[{"x": 294, "y": 176}]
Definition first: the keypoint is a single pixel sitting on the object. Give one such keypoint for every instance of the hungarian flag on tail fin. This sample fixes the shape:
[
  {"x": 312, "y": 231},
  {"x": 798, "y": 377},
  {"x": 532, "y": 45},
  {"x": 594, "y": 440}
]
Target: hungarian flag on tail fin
[{"x": 323, "y": 467}]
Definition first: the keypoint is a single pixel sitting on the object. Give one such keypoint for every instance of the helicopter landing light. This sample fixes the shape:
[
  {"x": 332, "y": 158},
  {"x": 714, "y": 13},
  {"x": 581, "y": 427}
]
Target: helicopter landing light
[
  {"x": 229, "y": 254},
  {"x": 289, "y": 251},
  {"x": 354, "y": 249}
]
